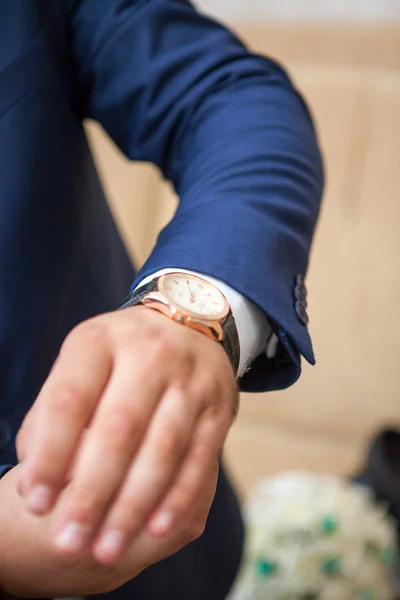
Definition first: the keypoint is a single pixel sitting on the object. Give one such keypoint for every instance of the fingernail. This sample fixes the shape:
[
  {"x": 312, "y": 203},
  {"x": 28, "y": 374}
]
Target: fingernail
[
  {"x": 39, "y": 499},
  {"x": 110, "y": 545},
  {"x": 72, "y": 538},
  {"x": 162, "y": 522}
]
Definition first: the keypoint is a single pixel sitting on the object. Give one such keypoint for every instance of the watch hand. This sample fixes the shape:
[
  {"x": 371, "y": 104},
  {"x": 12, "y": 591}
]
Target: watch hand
[{"x": 191, "y": 292}]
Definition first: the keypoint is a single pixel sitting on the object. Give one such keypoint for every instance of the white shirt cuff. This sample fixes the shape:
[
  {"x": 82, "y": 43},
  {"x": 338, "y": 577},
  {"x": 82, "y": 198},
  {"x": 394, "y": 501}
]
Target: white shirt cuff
[{"x": 254, "y": 330}]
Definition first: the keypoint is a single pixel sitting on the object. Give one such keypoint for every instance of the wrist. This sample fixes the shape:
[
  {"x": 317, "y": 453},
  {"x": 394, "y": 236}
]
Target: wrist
[
  {"x": 253, "y": 327},
  {"x": 194, "y": 302}
]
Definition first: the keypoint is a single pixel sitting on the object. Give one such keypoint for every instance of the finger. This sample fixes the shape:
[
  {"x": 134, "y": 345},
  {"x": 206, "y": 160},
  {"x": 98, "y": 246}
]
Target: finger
[
  {"x": 154, "y": 549},
  {"x": 64, "y": 408},
  {"x": 191, "y": 480},
  {"x": 114, "y": 436},
  {"x": 24, "y": 434},
  {"x": 196, "y": 520},
  {"x": 150, "y": 477}
]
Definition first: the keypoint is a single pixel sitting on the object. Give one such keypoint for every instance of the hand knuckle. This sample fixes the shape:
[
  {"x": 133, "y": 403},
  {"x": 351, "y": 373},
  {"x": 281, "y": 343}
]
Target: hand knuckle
[
  {"x": 119, "y": 427},
  {"x": 128, "y": 335},
  {"x": 188, "y": 365},
  {"x": 211, "y": 392},
  {"x": 212, "y": 382},
  {"x": 184, "y": 497},
  {"x": 85, "y": 507},
  {"x": 204, "y": 453},
  {"x": 168, "y": 443},
  {"x": 67, "y": 397},
  {"x": 128, "y": 514},
  {"x": 161, "y": 349},
  {"x": 91, "y": 332}
]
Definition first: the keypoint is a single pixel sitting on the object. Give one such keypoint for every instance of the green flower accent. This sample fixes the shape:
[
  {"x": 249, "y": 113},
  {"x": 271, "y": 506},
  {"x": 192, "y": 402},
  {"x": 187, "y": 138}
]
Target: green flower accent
[
  {"x": 329, "y": 525},
  {"x": 387, "y": 556},
  {"x": 331, "y": 566},
  {"x": 267, "y": 568},
  {"x": 365, "y": 594}
]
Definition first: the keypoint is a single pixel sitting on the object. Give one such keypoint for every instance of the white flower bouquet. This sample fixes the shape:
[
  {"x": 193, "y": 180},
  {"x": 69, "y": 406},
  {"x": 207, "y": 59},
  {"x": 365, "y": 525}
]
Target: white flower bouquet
[{"x": 315, "y": 537}]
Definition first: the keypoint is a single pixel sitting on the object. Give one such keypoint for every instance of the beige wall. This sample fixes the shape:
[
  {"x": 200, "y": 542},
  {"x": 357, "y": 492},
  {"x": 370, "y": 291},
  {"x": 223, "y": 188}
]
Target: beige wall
[{"x": 352, "y": 79}]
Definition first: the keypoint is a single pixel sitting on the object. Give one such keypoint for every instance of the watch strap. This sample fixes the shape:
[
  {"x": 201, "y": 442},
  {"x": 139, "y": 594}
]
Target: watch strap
[
  {"x": 138, "y": 294},
  {"x": 230, "y": 342}
]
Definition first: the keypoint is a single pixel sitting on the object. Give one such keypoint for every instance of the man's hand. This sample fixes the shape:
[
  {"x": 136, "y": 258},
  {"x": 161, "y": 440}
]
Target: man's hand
[
  {"x": 132, "y": 417},
  {"x": 30, "y": 567}
]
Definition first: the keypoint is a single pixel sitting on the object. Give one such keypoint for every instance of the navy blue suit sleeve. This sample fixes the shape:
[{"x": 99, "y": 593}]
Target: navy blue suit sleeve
[
  {"x": 4, "y": 469},
  {"x": 230, "y": 131}
]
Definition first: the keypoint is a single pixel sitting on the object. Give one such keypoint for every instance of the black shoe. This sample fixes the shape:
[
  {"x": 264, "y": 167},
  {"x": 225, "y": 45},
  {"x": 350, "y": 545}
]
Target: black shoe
[{"x": 382, "y": 471}]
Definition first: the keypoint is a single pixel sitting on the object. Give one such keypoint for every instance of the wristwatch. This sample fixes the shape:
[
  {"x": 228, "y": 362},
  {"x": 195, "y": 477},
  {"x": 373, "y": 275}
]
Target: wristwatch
[{"x": 193, "y": 302}]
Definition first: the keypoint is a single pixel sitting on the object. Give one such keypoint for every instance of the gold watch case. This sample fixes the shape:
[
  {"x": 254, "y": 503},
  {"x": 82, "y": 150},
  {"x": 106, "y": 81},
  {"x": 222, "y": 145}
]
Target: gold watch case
[{"x": 209, "y": 325}]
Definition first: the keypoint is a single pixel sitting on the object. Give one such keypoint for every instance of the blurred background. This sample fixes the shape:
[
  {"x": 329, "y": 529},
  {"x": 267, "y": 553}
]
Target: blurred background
[{"x": 345, "y": 57}]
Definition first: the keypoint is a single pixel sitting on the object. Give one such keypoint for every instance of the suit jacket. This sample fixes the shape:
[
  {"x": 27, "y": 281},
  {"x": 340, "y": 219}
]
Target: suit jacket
[{"x": 226, "y": 127}]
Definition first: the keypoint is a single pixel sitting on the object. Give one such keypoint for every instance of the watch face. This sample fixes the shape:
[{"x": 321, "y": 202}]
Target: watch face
[{"x": 194, "y": 295}]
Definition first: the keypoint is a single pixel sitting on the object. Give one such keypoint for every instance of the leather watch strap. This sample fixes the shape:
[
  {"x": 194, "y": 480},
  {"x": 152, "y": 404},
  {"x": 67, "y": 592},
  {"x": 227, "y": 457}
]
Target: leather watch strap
[
  {"x": 230, "y": 342},
  {"x": 137, "y": 295}
]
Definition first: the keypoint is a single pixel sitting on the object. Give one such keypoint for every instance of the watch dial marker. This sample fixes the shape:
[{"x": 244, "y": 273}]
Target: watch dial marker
[{"x": 198, "y": 297}]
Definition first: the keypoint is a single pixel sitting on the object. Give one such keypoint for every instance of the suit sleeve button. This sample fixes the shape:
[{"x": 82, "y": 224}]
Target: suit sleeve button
[
  {"x": 301, "y": 313},
  {"x": 300, "y": 295}
]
